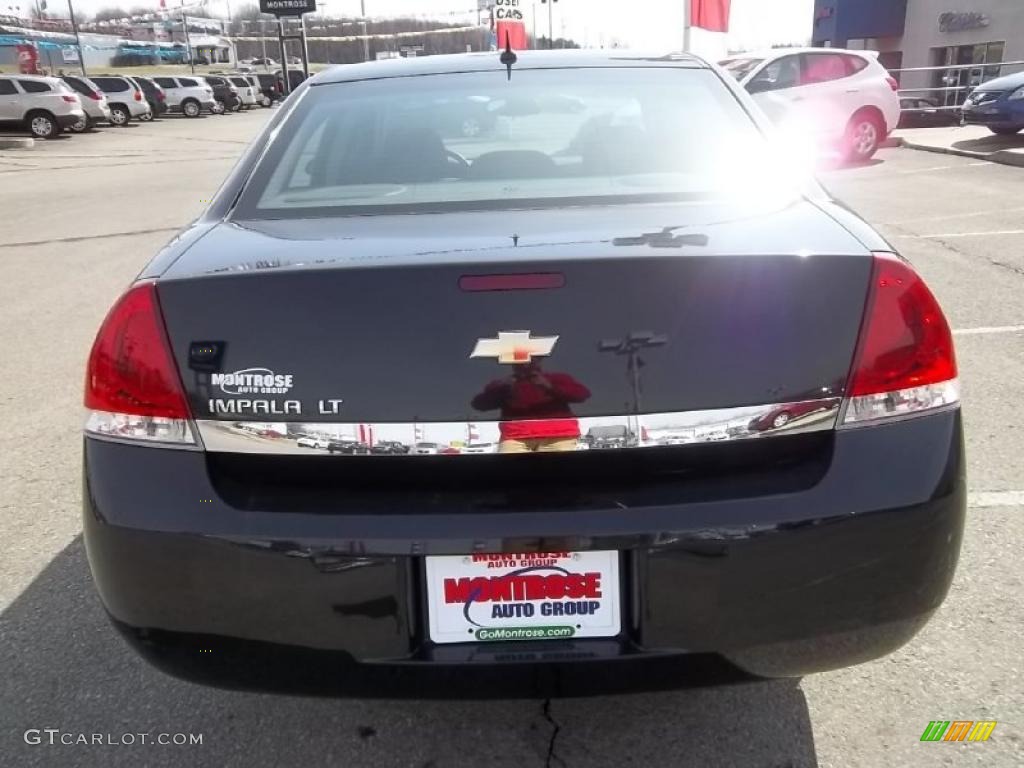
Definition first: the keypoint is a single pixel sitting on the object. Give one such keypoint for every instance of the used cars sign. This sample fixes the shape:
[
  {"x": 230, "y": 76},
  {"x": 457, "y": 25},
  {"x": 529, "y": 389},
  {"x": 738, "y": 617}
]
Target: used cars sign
[{"x": 287, "y": 7}]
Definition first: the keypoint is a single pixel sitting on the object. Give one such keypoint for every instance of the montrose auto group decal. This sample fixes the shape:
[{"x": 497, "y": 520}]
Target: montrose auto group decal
[{"x": 523, "y": 596}]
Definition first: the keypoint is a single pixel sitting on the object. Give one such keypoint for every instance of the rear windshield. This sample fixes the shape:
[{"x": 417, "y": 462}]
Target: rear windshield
[
  {"x": 241, "y": 81},
  {"x": 476, "y": 140}
]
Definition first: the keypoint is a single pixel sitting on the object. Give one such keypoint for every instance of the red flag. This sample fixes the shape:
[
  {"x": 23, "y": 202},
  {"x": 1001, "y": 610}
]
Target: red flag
[
  {"x": 710, "y": 14},
  {"x": 163, "y": 3},
  {"x": 515, "y": 32}
]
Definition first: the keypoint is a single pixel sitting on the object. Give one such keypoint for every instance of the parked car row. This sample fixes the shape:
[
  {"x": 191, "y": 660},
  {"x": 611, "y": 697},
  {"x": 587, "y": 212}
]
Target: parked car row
[{"x": 47, "y": 106}]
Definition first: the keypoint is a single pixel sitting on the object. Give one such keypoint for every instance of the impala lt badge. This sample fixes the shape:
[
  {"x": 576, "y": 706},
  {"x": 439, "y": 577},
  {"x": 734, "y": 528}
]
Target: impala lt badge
[{"x": 514, "y": 347}]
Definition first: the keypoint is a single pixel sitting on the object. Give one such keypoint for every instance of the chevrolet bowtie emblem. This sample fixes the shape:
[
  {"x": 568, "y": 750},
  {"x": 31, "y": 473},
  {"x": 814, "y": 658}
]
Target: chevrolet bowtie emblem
[{"x": 514, "y": 347}]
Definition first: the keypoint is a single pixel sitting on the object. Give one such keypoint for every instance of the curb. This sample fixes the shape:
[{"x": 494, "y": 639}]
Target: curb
[
  {"x": 16, "y": 142},
  {"x": 1002, "y": 156}
]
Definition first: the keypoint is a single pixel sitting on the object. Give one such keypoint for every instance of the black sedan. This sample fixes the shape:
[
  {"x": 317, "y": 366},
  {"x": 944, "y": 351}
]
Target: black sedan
[
  {"x": 648, "y": 264},
  {"x": 922, "y": 112}
]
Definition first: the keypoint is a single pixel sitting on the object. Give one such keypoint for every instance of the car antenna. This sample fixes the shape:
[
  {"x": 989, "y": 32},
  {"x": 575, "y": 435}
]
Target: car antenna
[{"x": 508, "y": 56}]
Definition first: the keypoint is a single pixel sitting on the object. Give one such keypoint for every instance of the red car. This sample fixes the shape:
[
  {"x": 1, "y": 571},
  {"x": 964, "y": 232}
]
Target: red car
[{"x": 783, "y": 415}]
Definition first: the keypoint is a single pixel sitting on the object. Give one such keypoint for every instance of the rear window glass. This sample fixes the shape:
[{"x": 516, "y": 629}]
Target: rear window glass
[
  {"x": 34, "y": 86},
  {"x": 215, "y": 81},
  {"x": 78, "y": 86},
  {"x": 111, "y": 84},
  {"x": 188, "y": 82},
  {"x": 855, "y": 64},
  {"x": 475, "y": 140},
  {"x": 165, "y": 82},
  {"x": 240, "y": 81},
  {"x": 7, "y": 88}
]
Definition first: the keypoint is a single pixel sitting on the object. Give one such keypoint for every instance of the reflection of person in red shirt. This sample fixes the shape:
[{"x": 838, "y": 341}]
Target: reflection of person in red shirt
[{"x": 535, "y": 409}]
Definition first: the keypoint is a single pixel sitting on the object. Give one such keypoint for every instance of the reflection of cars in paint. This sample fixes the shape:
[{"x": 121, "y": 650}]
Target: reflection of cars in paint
[
  {"x": 389, "y": 448},
  {"x": 312, "y": 442},
  {"x": 347, "y": 446},
  {"x": 469, "y": 118},
  {"x": 843, "y": 97},
  {"x": 357, "y": 211},
  {"x": 924, "y": 112},
  {"x": 784, "y": 415},
  {"x": 480, "y": 448}
]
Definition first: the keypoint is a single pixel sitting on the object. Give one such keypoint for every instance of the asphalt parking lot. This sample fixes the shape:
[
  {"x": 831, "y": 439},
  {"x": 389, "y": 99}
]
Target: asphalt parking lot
[{"x": 80, "y": 216}]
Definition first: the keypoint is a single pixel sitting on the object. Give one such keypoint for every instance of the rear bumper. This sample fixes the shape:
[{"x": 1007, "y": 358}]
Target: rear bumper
[
  {"x": 66, "y": 121},
  {"x": 786, "y": 584}
]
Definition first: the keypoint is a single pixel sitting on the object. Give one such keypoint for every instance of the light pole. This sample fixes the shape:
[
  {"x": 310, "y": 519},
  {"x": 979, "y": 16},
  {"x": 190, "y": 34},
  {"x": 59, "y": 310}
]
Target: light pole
[
  {"x": 78, "y": 39},
  {"x": 630, "y": 348},
  {"x": 188, "y": 40},
  {"x": 366, "y": 39},
  {"x": 551, "y": 27}
]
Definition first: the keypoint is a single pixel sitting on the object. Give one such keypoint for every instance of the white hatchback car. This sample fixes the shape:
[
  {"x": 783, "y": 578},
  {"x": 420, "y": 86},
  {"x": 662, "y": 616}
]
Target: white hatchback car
[
  {"x": 188, "y": 96},
  {"x": 842, "y": 97},
  {"x": 43, "y": 105}
]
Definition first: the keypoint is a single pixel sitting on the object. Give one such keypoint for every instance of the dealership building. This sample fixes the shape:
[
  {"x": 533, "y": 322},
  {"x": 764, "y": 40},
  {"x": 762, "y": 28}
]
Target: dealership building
[{"x": 928, "y": 33}]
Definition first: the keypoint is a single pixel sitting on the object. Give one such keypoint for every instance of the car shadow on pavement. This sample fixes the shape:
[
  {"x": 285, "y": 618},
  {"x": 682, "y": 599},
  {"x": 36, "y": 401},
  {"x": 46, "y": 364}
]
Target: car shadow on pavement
[
  {"x": 991, "y": 143},
  {"x": 65, "y": 668}
]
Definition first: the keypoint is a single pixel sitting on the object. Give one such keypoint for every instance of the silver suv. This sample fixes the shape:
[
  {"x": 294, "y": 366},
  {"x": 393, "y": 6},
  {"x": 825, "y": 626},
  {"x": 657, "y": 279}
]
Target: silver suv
[
  {"x": 44, "y": 106},
  {"x": 188, "y": 96},
  {"x": 125, "y": 98},
  {"x": 94, "y": 102}
]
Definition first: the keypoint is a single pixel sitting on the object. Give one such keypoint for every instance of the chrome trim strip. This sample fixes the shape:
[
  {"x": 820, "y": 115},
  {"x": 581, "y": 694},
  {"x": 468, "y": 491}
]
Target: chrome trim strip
[{"x": 596, "y": 433}]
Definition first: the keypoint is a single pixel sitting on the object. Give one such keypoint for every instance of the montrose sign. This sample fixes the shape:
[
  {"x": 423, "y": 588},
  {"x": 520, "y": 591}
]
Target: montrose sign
[{"x": 287, "y": 7}]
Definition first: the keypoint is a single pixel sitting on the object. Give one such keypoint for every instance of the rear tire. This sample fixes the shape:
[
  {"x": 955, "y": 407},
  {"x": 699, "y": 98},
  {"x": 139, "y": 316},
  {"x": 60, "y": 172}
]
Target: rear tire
[
  {"x": 236, "y": 107},
  {"x": 147, "y": 117},
  {"x": 42, "y": 125},
  {"x": 82, "y": 126},
  {"x": 119, "y": 115},
  {"x": 266, "y": 101},
  {"x": 864, "y": 134},
  {"x": 1004, "y": 131},
  {"x": 218, "y": 108},
  {"x": 190, "y": 108}
]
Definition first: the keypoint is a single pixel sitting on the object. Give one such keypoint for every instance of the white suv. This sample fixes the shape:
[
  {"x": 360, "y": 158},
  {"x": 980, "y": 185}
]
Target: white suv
[
  {"x": 843, "y": 97},
  {"x": 43, "y": 105},
  {"x": 247, "y": 92},
  {"x": 188, "y": 96},
  {"x": 125, "y": 98}
]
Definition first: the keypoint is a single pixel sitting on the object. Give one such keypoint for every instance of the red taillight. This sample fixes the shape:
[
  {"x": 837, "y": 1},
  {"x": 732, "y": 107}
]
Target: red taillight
[
  {"x": 160, "y": 96},
  {"x": 70, "y": 99},
  {"x": 131, "y": 370},
  {"x": 893, "y": 83},
  {"x": 905, "y": 360},
  {"x": 95, "y": 95},
  {"x": 138, "y": 96}
]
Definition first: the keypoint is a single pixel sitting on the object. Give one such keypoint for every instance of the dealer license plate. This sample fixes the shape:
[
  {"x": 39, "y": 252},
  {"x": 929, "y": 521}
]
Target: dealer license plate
[{"x": 523, "y": 596}]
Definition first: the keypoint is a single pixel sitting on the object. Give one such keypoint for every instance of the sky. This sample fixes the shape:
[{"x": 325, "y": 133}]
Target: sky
[{"x": 636, "y": 23}]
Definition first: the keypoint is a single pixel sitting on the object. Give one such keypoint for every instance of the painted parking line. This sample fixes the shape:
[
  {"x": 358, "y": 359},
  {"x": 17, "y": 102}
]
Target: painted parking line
[
  {"x": 988, "y": 329},
  {"x": 959, "y": 215},
  {"x": 995, "y": 499},
  {"x": 949, "y": 235}
]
